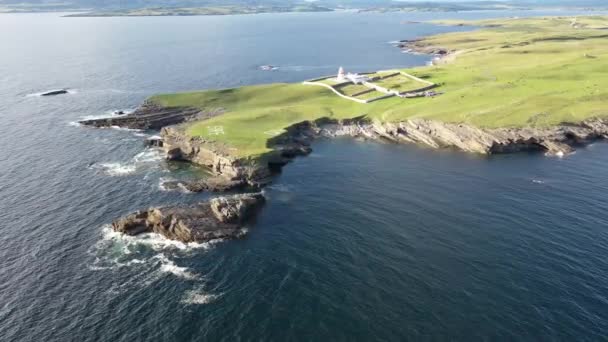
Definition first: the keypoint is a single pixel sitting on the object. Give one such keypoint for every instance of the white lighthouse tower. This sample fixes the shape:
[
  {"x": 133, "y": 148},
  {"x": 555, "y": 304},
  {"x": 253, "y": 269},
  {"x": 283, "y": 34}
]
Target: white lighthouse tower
[{"x": 341, "y": 77}]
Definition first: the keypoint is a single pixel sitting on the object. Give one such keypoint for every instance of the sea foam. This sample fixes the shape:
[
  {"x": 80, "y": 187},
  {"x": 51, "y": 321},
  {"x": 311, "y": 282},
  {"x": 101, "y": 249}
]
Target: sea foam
[
  {"x": 149, "y": 254},
  {"x": 146, "y": 157},
  {"x": 168, "y": 266},
  {"x": 116, "y": 169},
  {"x": 198, "y": 297},
  {"x": 153, "y": 240}
]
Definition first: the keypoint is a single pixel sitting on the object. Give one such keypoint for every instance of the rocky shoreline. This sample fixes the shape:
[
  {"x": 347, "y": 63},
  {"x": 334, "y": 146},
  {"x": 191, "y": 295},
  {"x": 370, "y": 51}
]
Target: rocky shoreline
[
  {"x": 224, "y": 217},
  {"x": 558, "y": 140},
  {"x": 151, "y": 116}
]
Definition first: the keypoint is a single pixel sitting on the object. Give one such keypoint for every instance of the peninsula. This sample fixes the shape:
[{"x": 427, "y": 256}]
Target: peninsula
[{"x": 534, "y": 84}]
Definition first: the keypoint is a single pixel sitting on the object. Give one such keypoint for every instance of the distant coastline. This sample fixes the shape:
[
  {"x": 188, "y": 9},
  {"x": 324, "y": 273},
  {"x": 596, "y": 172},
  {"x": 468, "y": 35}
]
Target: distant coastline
[
  {"x": 158, "y": 9},
  {"x": 201, "y": 11}
]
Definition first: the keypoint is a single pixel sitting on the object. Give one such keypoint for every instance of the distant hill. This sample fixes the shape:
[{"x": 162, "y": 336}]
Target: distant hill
[{"x": 282, "y": 5}]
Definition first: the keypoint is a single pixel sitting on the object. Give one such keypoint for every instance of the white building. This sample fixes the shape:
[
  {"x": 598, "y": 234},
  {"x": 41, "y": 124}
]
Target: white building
[{"x": 355, "y": 78}]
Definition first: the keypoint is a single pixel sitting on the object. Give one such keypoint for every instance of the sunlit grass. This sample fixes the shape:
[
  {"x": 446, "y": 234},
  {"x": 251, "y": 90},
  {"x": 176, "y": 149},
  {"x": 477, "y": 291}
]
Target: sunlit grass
[{"x": 525, "y": 72}]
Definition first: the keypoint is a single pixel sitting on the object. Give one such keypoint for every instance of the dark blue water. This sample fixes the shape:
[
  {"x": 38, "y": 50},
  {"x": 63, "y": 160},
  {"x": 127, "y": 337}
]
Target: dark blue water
[{"x": 359, "y": 241}]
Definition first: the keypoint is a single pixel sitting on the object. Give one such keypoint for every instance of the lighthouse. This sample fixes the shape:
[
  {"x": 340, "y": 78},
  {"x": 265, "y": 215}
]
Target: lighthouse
[{"x": 341, "y": 77}]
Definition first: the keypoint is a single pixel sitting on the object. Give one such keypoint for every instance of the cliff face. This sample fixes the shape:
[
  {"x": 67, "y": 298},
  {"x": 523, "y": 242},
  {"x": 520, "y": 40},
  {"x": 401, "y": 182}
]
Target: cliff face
[
  {"x": 179, "y": 146},
  {"x": 557, "y": 140}
]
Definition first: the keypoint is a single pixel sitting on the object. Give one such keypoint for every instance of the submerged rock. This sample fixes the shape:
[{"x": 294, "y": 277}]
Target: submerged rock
[{"x": 218, "y": 218}]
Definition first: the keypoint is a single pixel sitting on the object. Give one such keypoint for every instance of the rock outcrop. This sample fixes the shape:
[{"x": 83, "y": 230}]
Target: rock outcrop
[
  {"x": 218, "y": 158},
  {"x": 231, "y": 172},
  {"x": 218, "y": 218},
  {"x": 55, "y": 92},
  {"x": 557, "y": 140},
  {"x": 151, "y": 116},
  {"x": 211, "y": 184},
  {"x": 421, "y": 46}
]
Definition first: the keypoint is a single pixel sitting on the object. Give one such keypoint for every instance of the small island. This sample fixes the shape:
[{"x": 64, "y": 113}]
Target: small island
[{"x": 534, "y": 84}]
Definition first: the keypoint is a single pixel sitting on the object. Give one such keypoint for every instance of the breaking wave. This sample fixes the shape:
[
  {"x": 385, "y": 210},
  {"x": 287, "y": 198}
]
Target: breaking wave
[
  {"x": 198, "y": 297},
  {"x": 178, "y": 186},
  {"x": 154, "y": 241},
  {"x": 116, "y": 169},
  {"x": 146, "y": 157},
  {"x": 148, "y": 255},
  {"x": 168, "y": 266}
]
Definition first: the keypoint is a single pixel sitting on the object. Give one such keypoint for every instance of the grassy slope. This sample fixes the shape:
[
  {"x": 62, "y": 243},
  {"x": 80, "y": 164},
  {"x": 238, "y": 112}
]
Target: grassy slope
[{"x": 527, "y": 72}]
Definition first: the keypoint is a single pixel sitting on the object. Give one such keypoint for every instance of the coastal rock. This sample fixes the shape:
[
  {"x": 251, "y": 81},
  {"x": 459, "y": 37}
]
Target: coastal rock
[
  {"x": 233, "y": 172},
  {"x": 212, "y": 184},
  {"x": 154, "y": 141},
  {"x": 151, "y": 116},
  {"x": 556, "y": 140},
  {"x": 218, "y": 218},
  {"x": 218, "y": 158}
]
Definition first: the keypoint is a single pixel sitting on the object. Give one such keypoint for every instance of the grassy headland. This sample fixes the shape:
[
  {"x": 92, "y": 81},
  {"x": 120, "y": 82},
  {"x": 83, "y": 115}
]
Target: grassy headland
[{"x": 509, "y": 73}]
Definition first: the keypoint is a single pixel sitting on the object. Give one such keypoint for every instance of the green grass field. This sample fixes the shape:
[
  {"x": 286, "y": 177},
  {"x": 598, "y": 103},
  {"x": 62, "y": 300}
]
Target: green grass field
[
  {"x": 400, "y": 83},
  {"x": 509, "y": 73},
  {"x": 351, "y": 89},
  {"x": 329, "y": 81},
  {"x": 371, "y": 95}
]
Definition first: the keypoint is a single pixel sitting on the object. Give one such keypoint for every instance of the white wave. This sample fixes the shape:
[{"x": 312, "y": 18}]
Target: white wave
[
  {"x": 116, "y": 264},
  {"x": 107, "y": 114},
  {"x": 147, "y": 256},
  {"x": 198, "y": 297},
  {"x": 153, "y": 240},
  {"x": 180, "y": 186},
  {"x": 150, "y": 155},
  {"x": 538, "y": 181},
  {"x": 74, "y": 124},
  {"x": 116, "y": 250},
  {"x": 118, "y": 128},
  {"x": 559, "y": 154},
  {"x": 162, "y": 181},
  {"x": 116, "y": 169},
  {"x": 168, "y": 266},
  {"x": 183, "y": 188}
]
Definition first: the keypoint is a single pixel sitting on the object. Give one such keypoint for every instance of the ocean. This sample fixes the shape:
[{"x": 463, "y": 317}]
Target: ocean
[{"x": 359, "y": 241}]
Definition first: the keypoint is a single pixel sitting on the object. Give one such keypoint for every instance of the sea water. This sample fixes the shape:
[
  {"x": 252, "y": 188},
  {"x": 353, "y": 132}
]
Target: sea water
[{"x": 358, "y": 241}]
